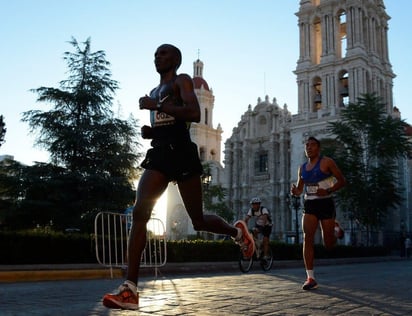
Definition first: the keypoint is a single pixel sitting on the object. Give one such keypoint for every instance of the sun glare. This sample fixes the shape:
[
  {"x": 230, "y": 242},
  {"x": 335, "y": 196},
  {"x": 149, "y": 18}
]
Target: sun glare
[{"x": 160, "y": 208}]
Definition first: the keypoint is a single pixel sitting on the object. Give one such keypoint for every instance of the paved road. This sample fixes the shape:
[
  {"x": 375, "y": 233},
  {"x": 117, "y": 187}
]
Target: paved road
[{"x": 382, "y": 288}]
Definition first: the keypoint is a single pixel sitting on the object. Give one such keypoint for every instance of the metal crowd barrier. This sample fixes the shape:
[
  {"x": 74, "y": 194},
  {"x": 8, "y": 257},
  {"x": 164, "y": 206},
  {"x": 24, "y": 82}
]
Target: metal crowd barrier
[{"x": 112, "y": 232}]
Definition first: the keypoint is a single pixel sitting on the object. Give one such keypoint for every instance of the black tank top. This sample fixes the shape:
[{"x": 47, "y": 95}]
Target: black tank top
[{"x": 167, "y": 129}]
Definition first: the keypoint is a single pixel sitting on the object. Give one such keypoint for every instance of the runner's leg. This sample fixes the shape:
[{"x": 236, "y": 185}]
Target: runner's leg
[
  {"x": 151, "y": 186},
  {"x": 191, "y": 193}
]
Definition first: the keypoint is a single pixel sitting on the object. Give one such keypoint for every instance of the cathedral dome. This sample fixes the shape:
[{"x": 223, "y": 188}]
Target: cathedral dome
[{"x": 199, "y": 82}]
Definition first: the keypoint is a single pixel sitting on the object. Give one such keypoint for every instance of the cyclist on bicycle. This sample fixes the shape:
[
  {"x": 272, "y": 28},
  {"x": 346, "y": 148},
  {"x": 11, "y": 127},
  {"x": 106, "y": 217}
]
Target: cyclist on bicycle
[{"x": 263, "y": 222}]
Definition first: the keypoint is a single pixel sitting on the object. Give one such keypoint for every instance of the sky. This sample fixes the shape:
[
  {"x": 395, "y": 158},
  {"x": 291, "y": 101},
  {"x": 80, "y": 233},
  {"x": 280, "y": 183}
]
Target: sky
[{"x": 249, "y": 50}]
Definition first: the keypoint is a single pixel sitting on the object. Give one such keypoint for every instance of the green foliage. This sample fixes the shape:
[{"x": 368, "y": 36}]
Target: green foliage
[
  {"x": 2, "y": 130},
  {"x": 367, "y": 146},
  {"x": 214, "y": 198},
  {"x": 80, "y": 132},
  {"x": 46, "y": 246},
  {"x": 94, "y": 155},
  {"x": 214, "y": 202}
]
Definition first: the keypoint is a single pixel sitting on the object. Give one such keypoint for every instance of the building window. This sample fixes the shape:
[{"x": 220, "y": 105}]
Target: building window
[
  {"x": 261, "y": 162},
  {"x": 317, "y": 41},
  {"x": 317, "y": 95},
  {"x": 342, "y": 35},
  {"x": 206, "y": 116},
  {"x": 344, "y": 89},
  {"x": 202, "y": 154}
]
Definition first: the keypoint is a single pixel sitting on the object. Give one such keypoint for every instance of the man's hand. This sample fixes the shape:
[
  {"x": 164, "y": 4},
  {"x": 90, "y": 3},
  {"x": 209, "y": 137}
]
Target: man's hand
[
  {"x": 294, "y": 190},
  {"x": 147, "y": 132},
  {"x": 147, "y": 103}
]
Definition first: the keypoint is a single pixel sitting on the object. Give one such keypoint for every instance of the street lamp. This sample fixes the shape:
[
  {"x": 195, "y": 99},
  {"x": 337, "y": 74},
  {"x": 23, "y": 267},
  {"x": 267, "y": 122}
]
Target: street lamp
[
  {"x": 206, "y": 180},
  {"x": 296, "y": 205},
  {"x": 295, "y": 202}
]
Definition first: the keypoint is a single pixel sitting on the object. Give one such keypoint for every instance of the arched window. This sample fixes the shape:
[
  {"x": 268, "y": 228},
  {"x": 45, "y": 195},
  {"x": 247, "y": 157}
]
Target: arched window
[
  {"x": 344, "y": 88},
  {"x": 317, "y": 94},
  {"x": 342, "y": 35},
  {"x": 202, "y": 154},
  {"x": 317, "y": 41},
  {"x": 261, "y": 162}
]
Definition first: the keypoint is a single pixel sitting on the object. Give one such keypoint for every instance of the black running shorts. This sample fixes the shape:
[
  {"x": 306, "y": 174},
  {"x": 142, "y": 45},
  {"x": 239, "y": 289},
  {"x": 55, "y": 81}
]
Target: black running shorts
[
  {"x": 264, "y": 230},
  {"x": 176, "y": 161},
  {"x": 321, "y": 208}
]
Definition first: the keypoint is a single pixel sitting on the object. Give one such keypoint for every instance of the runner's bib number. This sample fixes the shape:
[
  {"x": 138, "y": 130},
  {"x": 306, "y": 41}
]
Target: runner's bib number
[
  {"x": 312, "y": 188},
  {"x": 161, "y": 119}
]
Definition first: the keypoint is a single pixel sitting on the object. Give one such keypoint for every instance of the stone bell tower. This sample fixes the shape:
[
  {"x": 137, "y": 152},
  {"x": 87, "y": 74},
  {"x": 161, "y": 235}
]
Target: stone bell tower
[
  {"x": 343, "y": 53},
  {"x": 203, "y": 133}
]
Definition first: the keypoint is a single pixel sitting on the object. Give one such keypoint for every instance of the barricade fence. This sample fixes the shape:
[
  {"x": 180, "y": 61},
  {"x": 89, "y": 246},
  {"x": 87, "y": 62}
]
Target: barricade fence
[{"x": 112, "y": 232}]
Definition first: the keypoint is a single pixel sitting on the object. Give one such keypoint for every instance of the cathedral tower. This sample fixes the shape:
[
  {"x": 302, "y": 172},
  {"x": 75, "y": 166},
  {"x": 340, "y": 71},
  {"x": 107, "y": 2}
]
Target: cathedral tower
[
  {"x": 207, "y": 138},
  {"x": 343, "y": 53}
]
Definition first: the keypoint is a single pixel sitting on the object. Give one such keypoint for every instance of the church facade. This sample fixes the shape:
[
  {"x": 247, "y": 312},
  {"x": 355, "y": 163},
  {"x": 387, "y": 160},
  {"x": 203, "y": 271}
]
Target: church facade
[{"x": 343, "y": 53}]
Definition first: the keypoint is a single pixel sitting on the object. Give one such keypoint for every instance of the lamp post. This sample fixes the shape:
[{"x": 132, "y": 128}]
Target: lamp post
[
  {"x": 175, "y": 229},
  {"x": 294, "y": 201},
  {"x": 402, "y": 237},
  {"x": 296, "y": 205},
  {"x": 206, "y": 180}
]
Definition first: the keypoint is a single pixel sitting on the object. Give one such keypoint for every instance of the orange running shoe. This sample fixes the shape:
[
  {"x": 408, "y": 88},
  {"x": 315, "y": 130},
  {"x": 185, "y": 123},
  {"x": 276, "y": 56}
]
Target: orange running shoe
[
  {"x": 125, "y": 299},
  {"x": 246, "y": 241},
  {"x": 310, "y": 284}
]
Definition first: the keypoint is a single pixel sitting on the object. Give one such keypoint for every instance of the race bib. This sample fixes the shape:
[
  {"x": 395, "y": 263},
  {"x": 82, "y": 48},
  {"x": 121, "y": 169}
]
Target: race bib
[
  {"x": 311, "y": 189},
  {"x": 161, "y": 119}
]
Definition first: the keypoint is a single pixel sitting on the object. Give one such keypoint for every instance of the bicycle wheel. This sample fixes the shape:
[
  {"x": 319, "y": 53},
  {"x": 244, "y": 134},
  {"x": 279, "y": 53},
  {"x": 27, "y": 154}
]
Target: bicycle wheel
[
  {"x": 245, "y": 263},
  {"x": 266, "y": 262}
]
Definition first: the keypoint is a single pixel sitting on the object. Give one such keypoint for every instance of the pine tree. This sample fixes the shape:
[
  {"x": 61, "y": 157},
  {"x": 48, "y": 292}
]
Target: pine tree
[{"x": 98, "y": 151}]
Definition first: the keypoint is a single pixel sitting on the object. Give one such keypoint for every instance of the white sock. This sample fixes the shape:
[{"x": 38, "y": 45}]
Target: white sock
[
  {"x": 131, "y": 285},
  {"x": 239, "y": 233},
  {"x": 310, "y": 274}
]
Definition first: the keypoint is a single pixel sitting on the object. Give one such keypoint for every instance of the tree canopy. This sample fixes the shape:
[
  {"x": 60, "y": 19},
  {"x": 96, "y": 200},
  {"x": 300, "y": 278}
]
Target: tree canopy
[
  {"x": 2, "y": 130},
  {"x": 94, "y": 155},
  {"x": 369, "y": 144}
]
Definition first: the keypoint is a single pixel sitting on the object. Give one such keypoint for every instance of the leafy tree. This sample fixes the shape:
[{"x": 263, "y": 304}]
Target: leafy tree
[
  {"x": 368, "y": 146},
  {"x": 97, "y": 151},
  {"x": 214, "y": 198},
  {"x": 44, "y": 197},
  {"x": 10, "y": 188},
  {"x": 2, "y": 130}
]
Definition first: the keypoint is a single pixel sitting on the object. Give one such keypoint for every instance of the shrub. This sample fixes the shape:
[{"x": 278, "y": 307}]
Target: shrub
[{"x": 40, "y": 247}]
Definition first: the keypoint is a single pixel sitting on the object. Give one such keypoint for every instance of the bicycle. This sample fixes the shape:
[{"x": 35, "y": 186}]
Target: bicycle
[{"x": 246, "y": 263}]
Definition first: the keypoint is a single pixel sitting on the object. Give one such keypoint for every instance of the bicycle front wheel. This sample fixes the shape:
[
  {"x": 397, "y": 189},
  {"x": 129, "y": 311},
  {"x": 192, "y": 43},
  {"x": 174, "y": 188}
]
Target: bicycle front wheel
[
  {"x": 267, "y": 261},
  {"x": 245, "y": 263}
]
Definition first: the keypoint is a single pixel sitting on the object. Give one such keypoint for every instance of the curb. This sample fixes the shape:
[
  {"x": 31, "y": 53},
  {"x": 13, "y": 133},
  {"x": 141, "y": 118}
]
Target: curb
[
  {"x": 54, "y": 275},
  {"x": 31, "y": 273}
]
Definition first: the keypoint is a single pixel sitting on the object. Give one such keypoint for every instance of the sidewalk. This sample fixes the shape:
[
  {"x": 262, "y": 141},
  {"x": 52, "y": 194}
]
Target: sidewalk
[
  {"x": 44, "y": 272},
  {"x": 359, "y": 288}
]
